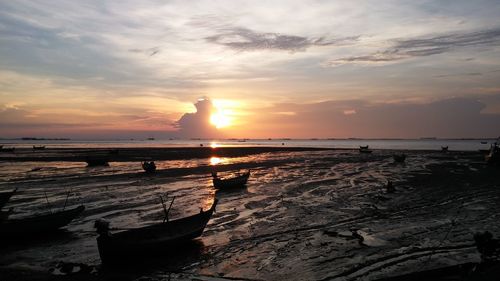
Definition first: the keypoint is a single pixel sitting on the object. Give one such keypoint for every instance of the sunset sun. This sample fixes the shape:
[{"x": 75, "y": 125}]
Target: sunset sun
[{"x": 219, "y": 120}]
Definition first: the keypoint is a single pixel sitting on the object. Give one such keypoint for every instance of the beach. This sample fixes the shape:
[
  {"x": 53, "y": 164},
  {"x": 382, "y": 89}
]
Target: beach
[{"x": 306, "y": 213}]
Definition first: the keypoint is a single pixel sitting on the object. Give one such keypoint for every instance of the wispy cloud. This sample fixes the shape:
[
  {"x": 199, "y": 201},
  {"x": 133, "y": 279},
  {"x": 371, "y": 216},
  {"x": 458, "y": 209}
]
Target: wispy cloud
[
  {"x": 425, "y": 46},
  {"x": 244, "y": 39}
]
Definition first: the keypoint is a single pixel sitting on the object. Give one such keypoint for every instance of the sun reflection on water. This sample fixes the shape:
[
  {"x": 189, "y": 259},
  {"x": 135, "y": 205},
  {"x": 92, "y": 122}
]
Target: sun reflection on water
[{"x": 215, "y": 160}]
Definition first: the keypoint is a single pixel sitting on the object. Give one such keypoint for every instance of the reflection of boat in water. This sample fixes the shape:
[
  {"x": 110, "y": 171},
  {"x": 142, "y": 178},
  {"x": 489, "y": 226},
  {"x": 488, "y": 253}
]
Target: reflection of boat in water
[
  {"x": 5, "y": 197},
  {"x": 149, "y": 167},
  {"x": 236, "y": 181},
  {"x": 400, "y": 158},
  {"x": 157, "y": 238},
  {"x": 34, "y": 225}
]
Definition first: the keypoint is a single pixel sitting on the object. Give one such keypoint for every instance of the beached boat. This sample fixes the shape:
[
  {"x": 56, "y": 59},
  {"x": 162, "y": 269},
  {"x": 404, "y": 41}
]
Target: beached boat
[
  {"x": 365, "y": 150},
  {"x": 236, "y": 181},
  {"x": 40, "y": 147},
  {"x": 158, "y": 238},
  {"x": 399, "y": 158},
  {"x": 93, "y": 161},
  {"x": 149, "y": 167},
  {"x": 5, "y": 197},
  {"x": 38, "y": 224}
]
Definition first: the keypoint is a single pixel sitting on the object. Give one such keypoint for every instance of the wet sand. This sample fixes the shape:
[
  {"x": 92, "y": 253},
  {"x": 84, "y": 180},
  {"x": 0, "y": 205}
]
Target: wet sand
[{"x": 301, "y": 216}]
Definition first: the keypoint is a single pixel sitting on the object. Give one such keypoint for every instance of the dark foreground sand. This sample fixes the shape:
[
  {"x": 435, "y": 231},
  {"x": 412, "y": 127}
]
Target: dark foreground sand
[{"x": 301, "y": 217}]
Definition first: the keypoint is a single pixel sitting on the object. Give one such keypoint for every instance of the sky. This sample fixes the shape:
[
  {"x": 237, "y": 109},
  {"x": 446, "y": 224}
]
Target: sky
[{"x": 249, "y": 69}]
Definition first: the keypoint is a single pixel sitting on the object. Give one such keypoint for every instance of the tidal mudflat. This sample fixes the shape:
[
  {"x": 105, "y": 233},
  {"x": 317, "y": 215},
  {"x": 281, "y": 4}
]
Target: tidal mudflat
[{"x": 305, "y": 214}]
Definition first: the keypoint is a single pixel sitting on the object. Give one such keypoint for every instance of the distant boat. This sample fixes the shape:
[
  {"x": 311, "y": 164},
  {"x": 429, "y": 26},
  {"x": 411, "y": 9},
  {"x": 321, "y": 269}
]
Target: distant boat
[
  {"x": 5, "y": 197},
  {"x": 484, "y": 142},
  {"x": 40, "y": 147},
  {"x": 444, "y": 148},
  {"x": 363, "y": 147},
  {"x": 158, "y": 238},
  {"x": 399, "y": 158},
  {"x": 151, "y": 138},
  {"x": 35, "y": 225},
  {"x": 95, "y": 161},
  {"x": 239, "y": 180},
  {"x": 149, "y": 167}
]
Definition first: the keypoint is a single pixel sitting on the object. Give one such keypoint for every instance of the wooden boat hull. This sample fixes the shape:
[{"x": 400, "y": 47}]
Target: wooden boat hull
[
  {"x": 235, "y": 182},
  {"x": 162, "y": 238},
  {"x": 38, "y": 224},
  {"x": 5, "y": 197}
]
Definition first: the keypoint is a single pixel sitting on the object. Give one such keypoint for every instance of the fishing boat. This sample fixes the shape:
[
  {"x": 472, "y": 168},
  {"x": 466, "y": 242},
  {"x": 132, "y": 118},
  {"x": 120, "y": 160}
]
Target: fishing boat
[
  {"x": 149, "y": 167},
  {"x": 444, "y": 148},
  {"x": 158, "y": 238},
  {"x": 39, "y": 147},
  {"x": 238, "y": 180},
  {"x": 94, "y": 161},
  {"x": 38, "y": 224},
  {"x": 399, "y": 158},
  {"x": 5, "y": 197}
]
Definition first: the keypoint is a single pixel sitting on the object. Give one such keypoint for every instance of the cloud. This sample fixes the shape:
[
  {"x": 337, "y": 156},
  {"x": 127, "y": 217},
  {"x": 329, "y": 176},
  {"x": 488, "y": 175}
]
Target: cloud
[
  {"x": 454, "y": 117},
  {"x": 197, "y": 124},
  {"x": 426, "y": 46},
  {"x": 243, "y": 39}
]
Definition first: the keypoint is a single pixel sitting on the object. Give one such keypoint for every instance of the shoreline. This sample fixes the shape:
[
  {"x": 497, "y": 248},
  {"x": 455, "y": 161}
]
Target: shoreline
[{"x": 119, "y": 154}]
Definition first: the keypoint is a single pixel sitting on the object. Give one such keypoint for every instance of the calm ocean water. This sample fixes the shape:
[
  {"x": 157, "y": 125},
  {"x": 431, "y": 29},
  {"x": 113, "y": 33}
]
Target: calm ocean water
[{"x": 407, "y": 144}]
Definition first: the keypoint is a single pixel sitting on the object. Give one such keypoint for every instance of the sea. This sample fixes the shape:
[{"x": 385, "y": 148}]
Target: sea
[{"x": 395, "y": 144}]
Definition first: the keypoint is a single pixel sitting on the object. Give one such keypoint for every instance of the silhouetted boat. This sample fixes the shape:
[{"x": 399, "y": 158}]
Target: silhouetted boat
[
  {"x": 400, "y": 158},
  {"x": 158, "y": 238},
  {"x": 239, "y": 180},
  {"x": 7, "y": 149},
  {"x": 149, "y": 167},
  {"x": 94, "y": 161},
  {"x": 444, "y": 148},
  {"x": 364, "y": 150},
  {"x": 40, "y": 147},
  {"x": 363, "y": 147},
  {"x": 5, "y": 197},
  {"x": 38, "y": 224}
]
